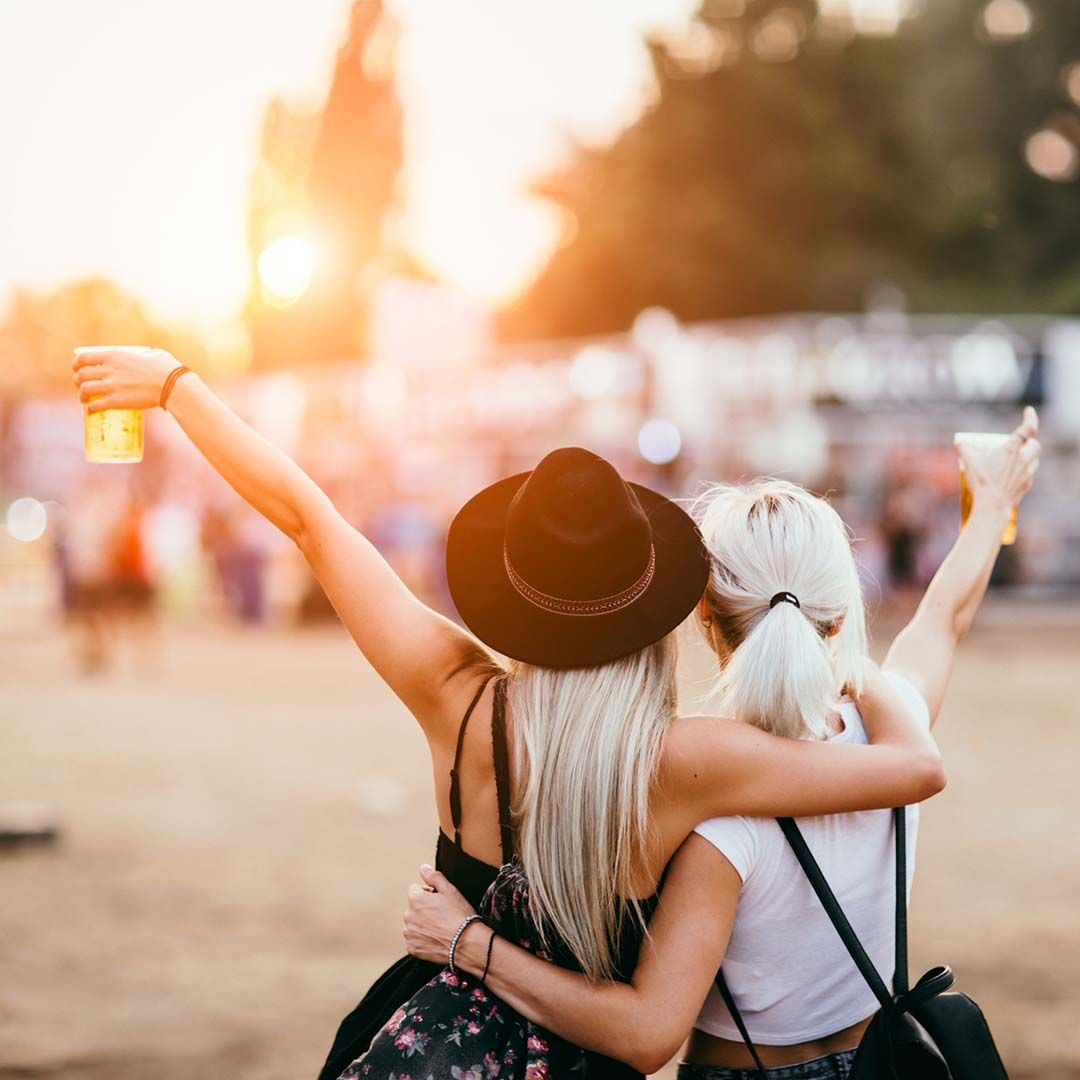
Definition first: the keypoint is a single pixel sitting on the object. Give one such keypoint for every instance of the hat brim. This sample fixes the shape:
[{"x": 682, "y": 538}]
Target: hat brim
[{"x": 502, "y": 618}]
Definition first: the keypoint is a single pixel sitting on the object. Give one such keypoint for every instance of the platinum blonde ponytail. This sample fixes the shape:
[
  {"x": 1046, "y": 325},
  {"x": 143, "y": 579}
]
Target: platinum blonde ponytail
[
  {"x": 786, "y": 672},
  {"x": 587, "y": 746}
]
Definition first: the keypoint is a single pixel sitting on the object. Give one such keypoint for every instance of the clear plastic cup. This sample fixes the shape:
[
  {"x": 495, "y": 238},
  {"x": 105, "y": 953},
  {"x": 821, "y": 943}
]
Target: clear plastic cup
[
  {"x": 113, "y": 436},
  {"x": 981, "y": 442}
]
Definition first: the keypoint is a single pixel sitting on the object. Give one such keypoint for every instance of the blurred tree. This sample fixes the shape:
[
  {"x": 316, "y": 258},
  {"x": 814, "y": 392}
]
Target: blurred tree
[
  {"x": 354, "y": 173},
  {"x": 278, "y": 206},
  {"x": 788, "y": 164},
  {"x": 349, "y": 163},
  {"x": 41, "y": 330},
  {"x": 989, "y": 232}
]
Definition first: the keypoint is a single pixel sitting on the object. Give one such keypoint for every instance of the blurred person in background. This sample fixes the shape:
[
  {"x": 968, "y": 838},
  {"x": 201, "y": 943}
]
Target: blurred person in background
[
  {"x": 903, "y": 526},
  {"x": 132, "y": 591},
  {"x": 239, "y": 556},
  {"x": 406, "y": 531},
  {"x": 91, "y": 521},
  {"x": 734, "y": 893},
  {"x": 581, "y": 579}
]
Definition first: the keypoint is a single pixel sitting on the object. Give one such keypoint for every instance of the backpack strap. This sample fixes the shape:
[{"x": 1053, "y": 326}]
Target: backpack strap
[
  {"x": 729, "y": 1001},
  {"x": 836, "y": 915},
  {"x": 900, "y": 973}
]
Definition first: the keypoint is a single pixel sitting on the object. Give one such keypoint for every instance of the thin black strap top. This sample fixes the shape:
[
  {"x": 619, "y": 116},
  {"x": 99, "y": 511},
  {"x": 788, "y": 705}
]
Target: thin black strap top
[{"x": 501, "y": 762}]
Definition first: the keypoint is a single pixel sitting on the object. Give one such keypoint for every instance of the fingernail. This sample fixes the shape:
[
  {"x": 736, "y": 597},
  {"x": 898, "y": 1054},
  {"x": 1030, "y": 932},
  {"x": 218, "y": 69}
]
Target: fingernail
[{"x": 425, "y": 869}]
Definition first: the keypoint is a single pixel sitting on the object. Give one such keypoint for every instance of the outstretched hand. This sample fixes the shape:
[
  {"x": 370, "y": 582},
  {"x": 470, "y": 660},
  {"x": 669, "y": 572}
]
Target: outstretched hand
[
  {"x": 436, "y": 910},
  {"x": 1004, "y": 474},
  {"x": 121, "y": 376}
]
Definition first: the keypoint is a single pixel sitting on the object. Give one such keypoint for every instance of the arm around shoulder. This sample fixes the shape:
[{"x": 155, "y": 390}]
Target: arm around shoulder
[
  {"x": 643, "y": 1022},
  {"x": 717, "y": 767}
]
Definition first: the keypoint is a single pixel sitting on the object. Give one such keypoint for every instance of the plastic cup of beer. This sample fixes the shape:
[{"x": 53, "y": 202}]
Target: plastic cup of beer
[
  {"x": 113, "y": 436},
  {"x": 980, "y": 442}
]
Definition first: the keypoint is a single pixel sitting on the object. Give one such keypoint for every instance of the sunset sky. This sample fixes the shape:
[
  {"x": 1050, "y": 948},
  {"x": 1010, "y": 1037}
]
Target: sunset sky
[{"x": 129, "y": 129}]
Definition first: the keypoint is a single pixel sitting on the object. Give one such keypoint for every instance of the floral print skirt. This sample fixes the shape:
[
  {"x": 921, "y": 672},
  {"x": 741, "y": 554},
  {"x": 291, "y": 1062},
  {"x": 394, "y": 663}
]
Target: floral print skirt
[{"x": 455, "y": 1028}]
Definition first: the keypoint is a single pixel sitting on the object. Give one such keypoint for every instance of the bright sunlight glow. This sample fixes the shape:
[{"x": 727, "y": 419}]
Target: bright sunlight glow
[{"x": 285, "y": 268}]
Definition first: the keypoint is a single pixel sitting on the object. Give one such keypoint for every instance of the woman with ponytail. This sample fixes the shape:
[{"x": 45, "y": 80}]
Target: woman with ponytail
[{"x": 783, "y": 612}]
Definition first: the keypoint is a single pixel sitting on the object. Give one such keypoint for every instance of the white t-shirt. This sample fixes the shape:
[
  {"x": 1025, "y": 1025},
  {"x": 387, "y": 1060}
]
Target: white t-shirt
[{"x": 786, "y": 967}]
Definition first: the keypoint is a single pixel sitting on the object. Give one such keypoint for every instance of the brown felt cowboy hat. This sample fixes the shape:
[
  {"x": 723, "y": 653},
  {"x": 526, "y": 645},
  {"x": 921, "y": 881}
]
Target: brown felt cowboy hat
[{"x": 571, "y": 566}]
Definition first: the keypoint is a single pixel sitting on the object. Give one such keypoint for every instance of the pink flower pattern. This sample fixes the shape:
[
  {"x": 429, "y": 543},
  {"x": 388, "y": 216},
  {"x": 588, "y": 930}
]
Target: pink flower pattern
[{"x": 454, "y": 1028}]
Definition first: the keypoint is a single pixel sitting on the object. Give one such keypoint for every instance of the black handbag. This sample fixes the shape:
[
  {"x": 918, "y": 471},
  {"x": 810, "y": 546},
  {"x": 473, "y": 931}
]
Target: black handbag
[{"x": 920, "y": 1032}]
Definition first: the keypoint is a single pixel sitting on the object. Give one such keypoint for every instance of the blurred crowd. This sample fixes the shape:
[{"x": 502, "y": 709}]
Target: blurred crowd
[
  {"x": 121, "y": 555},
  {"x": 124, "y": 552},
  {"x": 866, "y": 417}
]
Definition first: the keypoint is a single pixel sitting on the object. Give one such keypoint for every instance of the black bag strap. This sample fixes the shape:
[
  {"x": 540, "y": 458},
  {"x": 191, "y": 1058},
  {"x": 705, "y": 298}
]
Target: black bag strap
[
  {"x": 836, "y": 914},
  {"x": 900, "y": 971},
  {"x": 729, "y": 1001}
]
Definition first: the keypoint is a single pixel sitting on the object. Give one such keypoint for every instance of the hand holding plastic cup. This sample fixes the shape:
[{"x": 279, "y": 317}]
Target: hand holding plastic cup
[
  {"x": 113, "y": 436},
  {"x": 1005, "y": 462},
  {"x": 116, "y": 383},
  {"x": 986, "y": 443}
]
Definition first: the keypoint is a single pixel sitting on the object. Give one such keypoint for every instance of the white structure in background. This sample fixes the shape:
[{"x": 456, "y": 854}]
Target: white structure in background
[
  {"x": 1061, "y": 347},
  {"x": 422, "y": 325},
  {"x": 795, "y": 446},
  {"x": 598, "y": 372},
  {"x": 677, "y": 372}
]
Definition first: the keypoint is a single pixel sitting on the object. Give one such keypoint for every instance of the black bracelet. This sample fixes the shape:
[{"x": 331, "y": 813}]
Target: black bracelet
[{"x": 487, "y": 962}]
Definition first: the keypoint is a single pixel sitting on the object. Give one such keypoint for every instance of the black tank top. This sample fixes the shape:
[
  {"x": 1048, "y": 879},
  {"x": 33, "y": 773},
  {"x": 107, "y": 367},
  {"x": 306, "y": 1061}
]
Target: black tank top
[
  {"x": 474, "y": 877},
  {"x": 470, "y": 875}
]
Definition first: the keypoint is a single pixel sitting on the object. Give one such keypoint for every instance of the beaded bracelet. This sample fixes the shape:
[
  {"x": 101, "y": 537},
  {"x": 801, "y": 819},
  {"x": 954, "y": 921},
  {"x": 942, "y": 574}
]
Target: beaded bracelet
[{"x": 457, "y": 937}]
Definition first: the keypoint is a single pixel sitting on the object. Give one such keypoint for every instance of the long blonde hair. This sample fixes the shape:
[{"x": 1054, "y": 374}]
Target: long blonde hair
[
  {"x": 587, "y": 745},
  {"x": 788, "y": 664}
]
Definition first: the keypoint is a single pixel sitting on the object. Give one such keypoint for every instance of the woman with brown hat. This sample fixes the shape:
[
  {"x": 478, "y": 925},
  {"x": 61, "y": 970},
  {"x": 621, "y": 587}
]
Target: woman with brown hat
[{"x": 579, "y": 578}]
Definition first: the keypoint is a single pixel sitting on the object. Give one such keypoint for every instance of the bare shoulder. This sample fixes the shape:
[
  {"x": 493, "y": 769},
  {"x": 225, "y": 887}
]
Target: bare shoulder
[
  {"x": 698, "y": 749},
  {"x": 689, "y": 737}
]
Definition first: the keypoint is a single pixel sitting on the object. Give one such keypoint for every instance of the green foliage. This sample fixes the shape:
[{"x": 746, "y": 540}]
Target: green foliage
[{"x": 766, "y": 185}]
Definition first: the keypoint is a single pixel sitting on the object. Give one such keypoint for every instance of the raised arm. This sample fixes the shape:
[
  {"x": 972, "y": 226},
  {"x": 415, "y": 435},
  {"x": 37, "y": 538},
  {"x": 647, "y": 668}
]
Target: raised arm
[
  {"x": 643, "y": 1022},
  {"x": 717, "y": 767},
  {"x": 414, "y": 649},
  {"x": 924, "y": 650}
]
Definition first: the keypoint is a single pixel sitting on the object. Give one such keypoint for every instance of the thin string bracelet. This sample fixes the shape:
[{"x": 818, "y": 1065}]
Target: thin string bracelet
[
  {"x": 457, "y": 937},
  {"x": 170, "y": 382},
  {"x": 487, "y": 962}
]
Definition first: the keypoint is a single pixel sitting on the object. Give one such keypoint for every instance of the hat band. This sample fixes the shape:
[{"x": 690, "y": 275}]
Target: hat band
[{"x": 603, "y": 606}]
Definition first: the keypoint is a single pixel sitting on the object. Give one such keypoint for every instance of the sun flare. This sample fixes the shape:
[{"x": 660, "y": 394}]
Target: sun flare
[{"x": 285, "y": 268}]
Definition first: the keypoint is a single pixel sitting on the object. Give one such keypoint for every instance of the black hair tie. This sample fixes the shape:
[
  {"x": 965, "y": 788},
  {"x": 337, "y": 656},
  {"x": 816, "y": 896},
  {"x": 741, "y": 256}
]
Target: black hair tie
[{"x": 784, "y": 597}]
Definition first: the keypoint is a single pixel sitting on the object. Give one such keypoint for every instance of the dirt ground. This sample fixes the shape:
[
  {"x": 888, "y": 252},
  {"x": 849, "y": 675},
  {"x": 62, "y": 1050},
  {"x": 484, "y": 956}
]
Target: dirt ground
[{"x": 239, "y": 826}]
